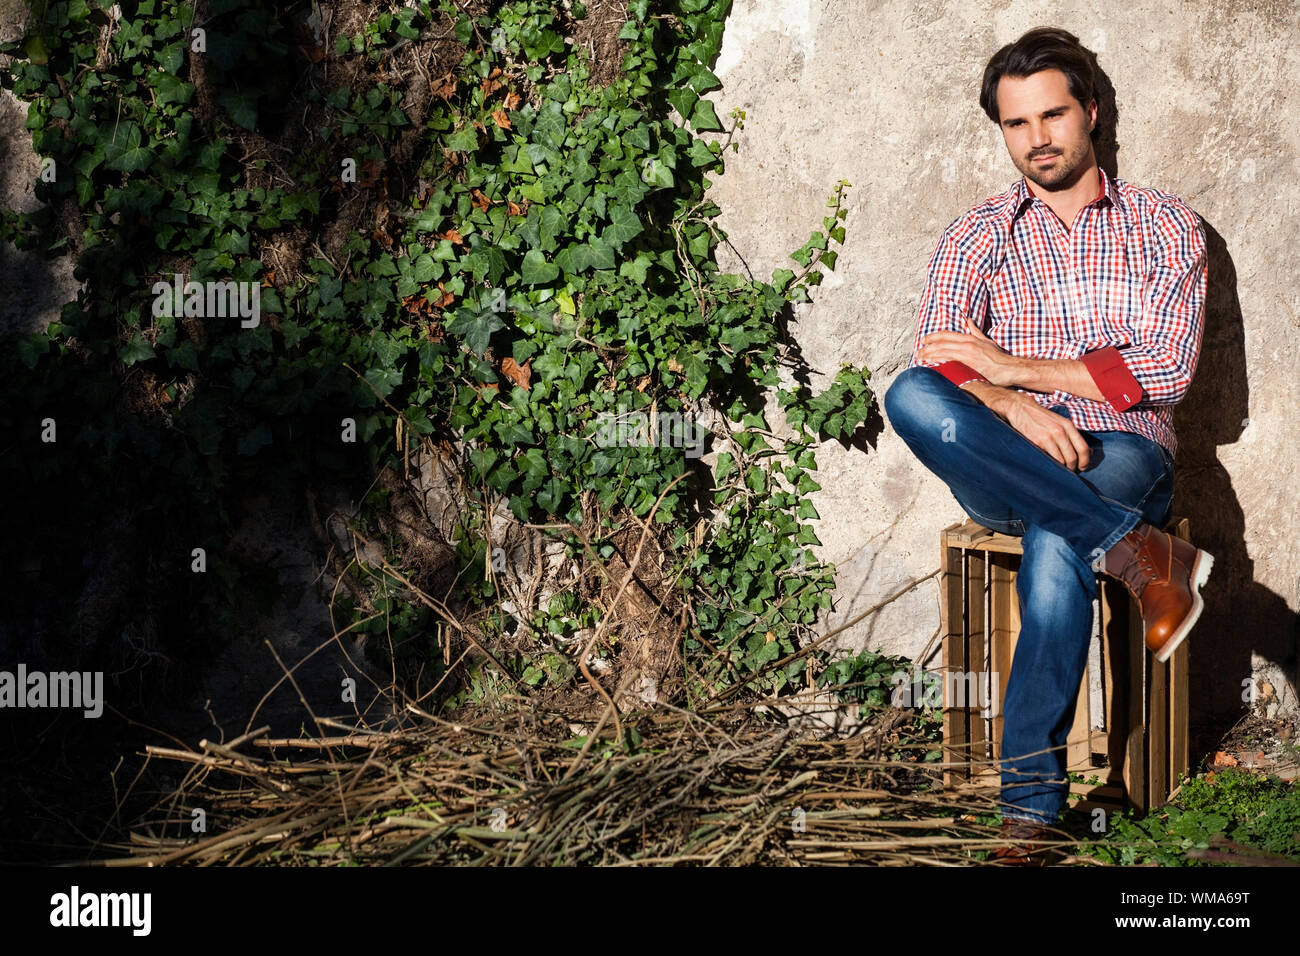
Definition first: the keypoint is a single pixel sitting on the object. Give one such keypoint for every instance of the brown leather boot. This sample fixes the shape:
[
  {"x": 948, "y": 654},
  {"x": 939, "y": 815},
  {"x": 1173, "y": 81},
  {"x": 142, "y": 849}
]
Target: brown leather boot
[
  {"x": 1021, "y": 844},
  {"x": 1163, "y": 573}
]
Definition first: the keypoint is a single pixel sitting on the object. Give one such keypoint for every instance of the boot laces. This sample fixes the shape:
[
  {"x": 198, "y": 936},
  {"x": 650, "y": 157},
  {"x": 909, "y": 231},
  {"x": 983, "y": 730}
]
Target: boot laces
[{"x": 1138, "y": 572}]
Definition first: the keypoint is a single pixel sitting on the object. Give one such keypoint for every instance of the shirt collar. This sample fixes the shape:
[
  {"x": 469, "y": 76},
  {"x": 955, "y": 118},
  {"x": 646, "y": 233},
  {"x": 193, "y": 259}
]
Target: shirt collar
[{"x": 1019, "y": 196}]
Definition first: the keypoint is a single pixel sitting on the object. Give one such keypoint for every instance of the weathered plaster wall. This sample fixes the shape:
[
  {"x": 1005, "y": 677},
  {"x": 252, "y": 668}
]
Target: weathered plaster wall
[
  {"x": 32, "y": 288},
  {"x": 885, "y": 94}
]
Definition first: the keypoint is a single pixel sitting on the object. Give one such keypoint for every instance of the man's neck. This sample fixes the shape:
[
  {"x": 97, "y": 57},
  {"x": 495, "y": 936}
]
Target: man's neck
[{"x": 1067, "y": 202}]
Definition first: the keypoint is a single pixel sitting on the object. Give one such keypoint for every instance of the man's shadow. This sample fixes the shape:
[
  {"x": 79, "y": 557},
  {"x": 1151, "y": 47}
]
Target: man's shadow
[{"x": 1241, "y": 616}]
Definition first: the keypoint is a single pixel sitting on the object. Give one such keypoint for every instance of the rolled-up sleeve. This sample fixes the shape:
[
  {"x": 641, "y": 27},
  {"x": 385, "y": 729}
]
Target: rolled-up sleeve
[
  {"x": 954, "y": 291},
  {"x": 1166, "y": 343}
]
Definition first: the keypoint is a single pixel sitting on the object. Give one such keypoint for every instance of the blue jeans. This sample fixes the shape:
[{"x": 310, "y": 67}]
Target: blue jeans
[{"x": 1068, "y": 520}]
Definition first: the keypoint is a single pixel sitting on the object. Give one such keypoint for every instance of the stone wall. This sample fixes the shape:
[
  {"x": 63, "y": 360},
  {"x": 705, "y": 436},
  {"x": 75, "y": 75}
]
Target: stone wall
[
  {"x": 885, "y": 95},
  {"x": 32, "y": 287}
]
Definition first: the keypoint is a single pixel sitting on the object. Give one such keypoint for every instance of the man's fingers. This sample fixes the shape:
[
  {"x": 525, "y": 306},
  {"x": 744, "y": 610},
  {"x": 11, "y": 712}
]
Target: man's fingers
[
  {"x": 1048, "y": 443},
  {"x": 942, "y": 352},
  {"x": 1068, "y": 457},
  {"x": 1072, "y": 444},
  {"x": 1065, "y": 444},
  {"x": 1073, "y": 448},
  {"x": 938, "y": 338},
  {"x": 1081, "y": 447},
  {"x": 1053, "y": 434}
]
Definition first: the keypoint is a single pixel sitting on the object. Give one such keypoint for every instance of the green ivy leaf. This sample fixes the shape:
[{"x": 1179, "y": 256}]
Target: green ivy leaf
[
  {"x": 477, "y": 327},
  {"x": 464, "y": 140},
  {"x": 135, "y": 350},
  {"x": 171, "y": 89},
  {"x": 536, "y": 270},
  {"x": 424, "y": 269},
  {"x": 705, "y": 118},
  {"x": 125, "y": 152},
  {"x": 31, "y": 348},
  {"x": 384, "y": 380},
  {"x": 655, "y": 172},
  {"x": 624, "y": 225},
  {"x": 387, "y": 350}
]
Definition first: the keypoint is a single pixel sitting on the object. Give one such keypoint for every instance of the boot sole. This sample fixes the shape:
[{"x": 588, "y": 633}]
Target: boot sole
[{"x": 1199, "y": 575}]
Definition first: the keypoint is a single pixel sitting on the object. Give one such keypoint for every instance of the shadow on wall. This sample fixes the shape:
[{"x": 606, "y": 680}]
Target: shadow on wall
[{"x": 1241, "y": 616}]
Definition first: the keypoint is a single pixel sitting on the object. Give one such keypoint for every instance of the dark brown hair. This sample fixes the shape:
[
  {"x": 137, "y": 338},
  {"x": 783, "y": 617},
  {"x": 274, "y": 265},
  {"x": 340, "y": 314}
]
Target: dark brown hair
[{"x": 1043, "y": 48}]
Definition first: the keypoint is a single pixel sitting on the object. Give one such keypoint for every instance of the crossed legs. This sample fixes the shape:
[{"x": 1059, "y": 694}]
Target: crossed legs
[{"x": 1068, "y": 520}]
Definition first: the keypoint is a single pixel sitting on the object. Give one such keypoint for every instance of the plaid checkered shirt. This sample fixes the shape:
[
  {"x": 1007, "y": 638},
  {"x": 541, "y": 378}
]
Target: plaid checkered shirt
[{"x": 1123, "y": 291}]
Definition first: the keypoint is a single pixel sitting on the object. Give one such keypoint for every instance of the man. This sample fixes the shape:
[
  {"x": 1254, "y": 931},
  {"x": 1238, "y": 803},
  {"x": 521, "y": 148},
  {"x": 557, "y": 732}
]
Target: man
[{"x": 1060, "y": 322}]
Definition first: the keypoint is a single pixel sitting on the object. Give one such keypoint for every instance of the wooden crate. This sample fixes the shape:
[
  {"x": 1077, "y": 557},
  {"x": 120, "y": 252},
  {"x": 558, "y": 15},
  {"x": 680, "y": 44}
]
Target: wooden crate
[{"x": 1141, "y": 747}]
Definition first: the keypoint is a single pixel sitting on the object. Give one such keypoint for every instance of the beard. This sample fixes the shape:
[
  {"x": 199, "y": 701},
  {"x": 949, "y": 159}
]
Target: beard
[{"x": 1061, "y": 173}]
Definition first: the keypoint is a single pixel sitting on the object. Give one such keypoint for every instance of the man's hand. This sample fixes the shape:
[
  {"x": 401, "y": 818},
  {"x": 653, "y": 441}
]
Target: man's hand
[
  {"x": 1053, "y": 433},
  {"x": 974, "y": 349}
]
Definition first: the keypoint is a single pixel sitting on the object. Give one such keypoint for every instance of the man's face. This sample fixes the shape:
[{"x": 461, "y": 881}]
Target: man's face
[{"x": 1045, "y": 128}]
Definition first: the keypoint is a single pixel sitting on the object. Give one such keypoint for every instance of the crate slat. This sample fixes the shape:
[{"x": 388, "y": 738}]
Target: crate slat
[
  {"x": 1078, "y": 750},
  {"x": 1004, "y": 611},
  {"x": 1178, "y": 677},
  {"x": 976, "y": 646},
  {"x": 956, "y": 720},
  {"x": 1157, "y": 731},
  {"x": 1135, "y": 771}
]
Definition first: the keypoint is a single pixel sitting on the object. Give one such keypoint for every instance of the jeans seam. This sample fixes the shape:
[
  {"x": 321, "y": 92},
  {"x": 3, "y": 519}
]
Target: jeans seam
[
  {"x": 984, "y": 520},
  {"x": 1114, "y": 537},
  {"x": 1138, "y": 513},
  {"x": 1130, "y": 508}
]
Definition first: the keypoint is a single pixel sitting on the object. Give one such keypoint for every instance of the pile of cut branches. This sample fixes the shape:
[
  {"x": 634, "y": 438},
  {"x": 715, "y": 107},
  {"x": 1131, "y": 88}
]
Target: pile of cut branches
[{"x": 732, "y": 788}]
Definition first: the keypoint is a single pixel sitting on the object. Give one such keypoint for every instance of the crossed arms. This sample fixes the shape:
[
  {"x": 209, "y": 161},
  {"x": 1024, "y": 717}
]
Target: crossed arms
[{"x": 1154, "y": 367}]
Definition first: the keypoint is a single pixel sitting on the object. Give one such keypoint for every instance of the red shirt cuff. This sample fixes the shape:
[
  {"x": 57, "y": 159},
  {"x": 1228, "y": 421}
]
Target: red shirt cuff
[
  {"x": 959, "y": 373},
  {"x": 1112, "y": 377}
]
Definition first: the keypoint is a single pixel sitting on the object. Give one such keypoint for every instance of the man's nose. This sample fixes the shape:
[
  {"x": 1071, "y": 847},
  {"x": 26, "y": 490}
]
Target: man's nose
[{"x": 1038, "y": 135}]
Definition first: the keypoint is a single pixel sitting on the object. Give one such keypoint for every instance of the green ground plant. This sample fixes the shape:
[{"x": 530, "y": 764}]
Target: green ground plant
[{"x": 1248, "y": 808}]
